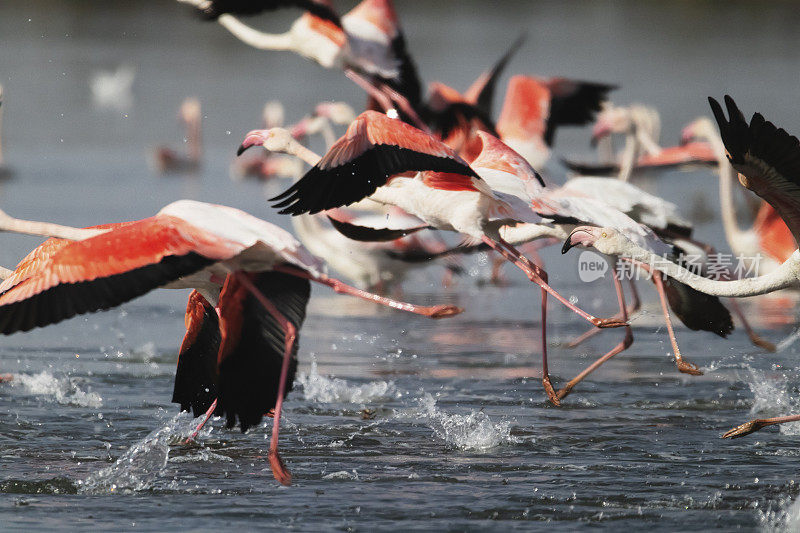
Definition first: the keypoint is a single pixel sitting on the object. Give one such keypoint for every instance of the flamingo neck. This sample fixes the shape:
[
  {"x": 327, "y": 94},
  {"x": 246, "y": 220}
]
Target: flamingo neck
[
  {"x": 735, "y": 236},
  {"x": 255, "y": 38},
  {"x": 1, "y": 135},
  {"x": 45, "y": 229},
  {"x": 523, "y": 233},
  {"x": 783, "y": 277}
]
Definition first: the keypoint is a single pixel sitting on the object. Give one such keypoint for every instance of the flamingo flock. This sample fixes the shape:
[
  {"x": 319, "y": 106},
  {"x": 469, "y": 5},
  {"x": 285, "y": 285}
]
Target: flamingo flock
[{"x": 406, "y": 172}]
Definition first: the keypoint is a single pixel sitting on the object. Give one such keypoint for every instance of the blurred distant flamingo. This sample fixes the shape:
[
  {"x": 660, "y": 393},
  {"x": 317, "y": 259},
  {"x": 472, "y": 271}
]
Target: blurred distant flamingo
[
  {"x": 251, "y": 282},
  {"x": 167, "y": 160}
]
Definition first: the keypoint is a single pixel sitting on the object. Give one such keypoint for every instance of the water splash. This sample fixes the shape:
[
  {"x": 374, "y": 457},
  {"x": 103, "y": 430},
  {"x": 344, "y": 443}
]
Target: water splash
[
  {"x": 322, "y": 389},
  {"x": 773, "y": 395},
  {"x": 474, "y": 431},
  {"x": 141, "y": 465},
  {"x": 782, "y": 516},
  {"x": 63, "y": 390}
]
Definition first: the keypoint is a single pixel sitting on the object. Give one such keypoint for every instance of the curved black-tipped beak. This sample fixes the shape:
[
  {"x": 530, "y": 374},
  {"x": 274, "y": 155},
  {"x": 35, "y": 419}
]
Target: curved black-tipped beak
[
  {"x": 241, "y": 149},
  {"x": 567, "y": 245},
  {"x": 570, "y": 243}
]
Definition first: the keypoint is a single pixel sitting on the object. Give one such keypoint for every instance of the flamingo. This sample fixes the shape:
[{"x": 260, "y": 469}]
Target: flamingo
[
  {"x": 641, "y": 127},
  {"x": 168, "y": 160},
  {"x": 767, "y": 159},
  {"x": 367, "y": 40},
  {"x": 534, "y": 108},
  {"x": 234, "y": 261},
  {"x": 5, "y": 171},
  {"x": 391, "y": 162}
]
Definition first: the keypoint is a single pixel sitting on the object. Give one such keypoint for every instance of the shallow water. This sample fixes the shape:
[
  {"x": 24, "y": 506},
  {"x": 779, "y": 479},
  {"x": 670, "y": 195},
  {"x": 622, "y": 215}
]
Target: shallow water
[{"x": 460, "y": 435}]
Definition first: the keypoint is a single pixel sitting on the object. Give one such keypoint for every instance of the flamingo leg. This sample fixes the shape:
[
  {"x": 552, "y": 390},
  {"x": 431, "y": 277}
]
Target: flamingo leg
[
  {"x": 756, "y": 424},
  {"x": 622, "y": 346},
  {"x": 279, "y": 469},
  {"x": 548, "y": 386},
  {"x": 435, "y": 311},
  {"x": 634, "y": 307},
  {"x": 683, "y": 366},
  {"x": 497, "y": 274},
  {"x": 535, "y": 273},
  {"x": 203, "y": 423},
  {"x": 754, "y": 337}
]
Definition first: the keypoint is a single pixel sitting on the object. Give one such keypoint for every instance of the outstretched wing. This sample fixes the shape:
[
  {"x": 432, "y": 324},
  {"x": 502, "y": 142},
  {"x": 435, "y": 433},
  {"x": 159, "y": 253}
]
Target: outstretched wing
[
  {"x": 766, "y": 157},
  {"x": 573, "y": 103},
  {"x": 212, "y": 9},
  {"x": 481, "y": 92},
  {"x": 374, "y": 149},
  {"x": 251, "y": 354},
  {"x": 106, "y": 270}
]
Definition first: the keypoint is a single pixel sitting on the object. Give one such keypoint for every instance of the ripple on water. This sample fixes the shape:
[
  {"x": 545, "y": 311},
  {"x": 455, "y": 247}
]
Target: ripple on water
[{"x": 773, "y": 395}]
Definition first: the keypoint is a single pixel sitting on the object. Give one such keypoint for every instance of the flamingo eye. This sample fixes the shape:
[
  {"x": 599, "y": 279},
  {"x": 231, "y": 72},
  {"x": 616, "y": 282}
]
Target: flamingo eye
[{"x": 604, "y": 234}]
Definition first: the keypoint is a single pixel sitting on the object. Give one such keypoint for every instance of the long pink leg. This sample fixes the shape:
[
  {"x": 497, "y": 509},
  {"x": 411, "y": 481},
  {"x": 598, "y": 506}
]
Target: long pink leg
[
  {"x": 548, "y": 386},
  {"x": 279, "y": 469},
  {"x": 754, "y": 337},
  {"x": 684, "y": 366},
  {"x": 756, "y": 424},
  {"x": 534, "y": 273},
  {"x": 623, "y": 345},
  {"x": 435, "y": 311},
  {"x": 203, "y": 423},
  {"x": 634, "y": 307}
]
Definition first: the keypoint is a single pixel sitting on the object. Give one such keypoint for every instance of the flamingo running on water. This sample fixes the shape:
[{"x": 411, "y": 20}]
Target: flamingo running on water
[
  {"x": 251, "y": 282},
  {"x": 767, "y": 159},
  {"x": 168, "y": 160},
  {"x": 391, "y": 162}
]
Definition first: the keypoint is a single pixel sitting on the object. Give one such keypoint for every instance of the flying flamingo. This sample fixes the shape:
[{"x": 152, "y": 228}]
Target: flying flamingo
[
  {"x": 391, "y": 162},
  {"x": 168, "y": 160},
  {"x": 367, "y": 41},
  {"x": 768, "y": 161},
  {"x": 234, "y": 261}
]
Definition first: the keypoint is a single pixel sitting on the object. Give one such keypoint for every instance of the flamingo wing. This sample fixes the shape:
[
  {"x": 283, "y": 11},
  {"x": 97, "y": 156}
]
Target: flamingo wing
[
  {"x": 196, "y": 378},
  {"x": 253, "y": 344},
  {"x": 374, "y": 149},
  {"x": 766, "y": 157},
  {"x": 573, "y": 103},
  {"x": 481, "y": 92},
  {"x": 212, "y": 9},
  {"x": 106, "y": 270}
]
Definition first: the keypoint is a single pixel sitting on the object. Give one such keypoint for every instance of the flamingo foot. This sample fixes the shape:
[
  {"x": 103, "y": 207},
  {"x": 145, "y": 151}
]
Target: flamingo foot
[
  {"x": 762, "y": 343},
  {"x": 551, "y": 393},
  {"x": 279, "y": 469},
  {"x": 745, "y": 429},
  {"x": 612, "y": 322},
  {"x": 689, "y": 368},
  {"x": 443, "y": 311},
  {"x": 6, "y": 377},
  {"x": 270, "y": 413},
  {"x": 564, "y": 392}
]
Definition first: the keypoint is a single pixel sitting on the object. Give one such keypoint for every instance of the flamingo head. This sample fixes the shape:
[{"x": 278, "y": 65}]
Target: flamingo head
[
  {"x": 611, "y": 119},
  {"x": 604, "y": 240},
  {"x": 273, "y": 139},
  {"x": 700, "y": 129},
  {"x": 337, "y": 112}
]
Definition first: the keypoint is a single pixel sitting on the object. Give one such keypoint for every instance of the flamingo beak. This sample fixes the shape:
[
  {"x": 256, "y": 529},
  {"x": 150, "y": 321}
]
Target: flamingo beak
[
  {"x": 582, "y": 236},
  {"x": 254, "y": 138}
]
